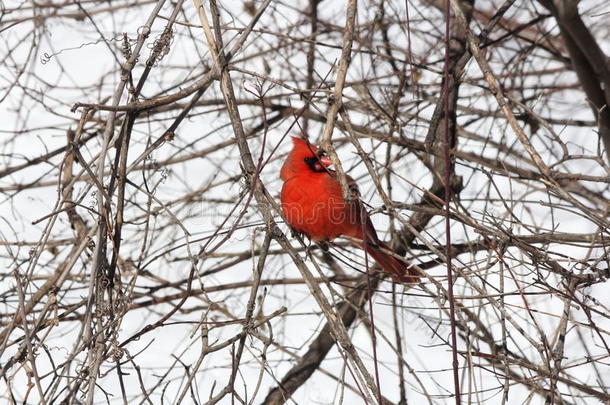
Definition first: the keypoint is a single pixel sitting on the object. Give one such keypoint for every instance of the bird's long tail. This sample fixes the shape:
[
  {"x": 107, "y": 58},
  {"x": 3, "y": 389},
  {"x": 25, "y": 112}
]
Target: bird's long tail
[{"x": 399, "y": 270}]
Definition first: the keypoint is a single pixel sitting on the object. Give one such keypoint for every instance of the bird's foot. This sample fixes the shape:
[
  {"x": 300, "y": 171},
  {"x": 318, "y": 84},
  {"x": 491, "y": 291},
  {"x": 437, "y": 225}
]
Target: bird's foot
[
  {"x": 294, "y": 233},
  {"x": 323, "y": 245}
]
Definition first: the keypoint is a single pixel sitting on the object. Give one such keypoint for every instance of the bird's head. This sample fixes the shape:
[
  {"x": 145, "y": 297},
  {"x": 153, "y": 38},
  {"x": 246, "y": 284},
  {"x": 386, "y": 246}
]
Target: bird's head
[{"x": 305, "y": 158}]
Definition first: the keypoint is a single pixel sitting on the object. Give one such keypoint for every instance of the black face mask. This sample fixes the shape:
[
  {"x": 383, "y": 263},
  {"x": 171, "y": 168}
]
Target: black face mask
[{"x": 314, "y": 163}]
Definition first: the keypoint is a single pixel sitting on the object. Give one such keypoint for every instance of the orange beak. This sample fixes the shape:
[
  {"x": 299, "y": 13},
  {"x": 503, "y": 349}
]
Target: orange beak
[{"x": 325, "y": 161}]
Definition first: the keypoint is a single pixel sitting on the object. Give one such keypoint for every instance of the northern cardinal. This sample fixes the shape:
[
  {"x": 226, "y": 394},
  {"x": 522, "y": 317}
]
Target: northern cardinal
[{"x": 313, "y": 204}]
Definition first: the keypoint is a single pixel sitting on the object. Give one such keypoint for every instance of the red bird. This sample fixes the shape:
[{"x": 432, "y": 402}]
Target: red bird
[{"x": 313, "y": 204}]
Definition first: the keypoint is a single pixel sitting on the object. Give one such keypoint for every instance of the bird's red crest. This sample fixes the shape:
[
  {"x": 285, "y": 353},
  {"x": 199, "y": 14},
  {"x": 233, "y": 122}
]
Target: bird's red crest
[{"x": 301, "y": 149}]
